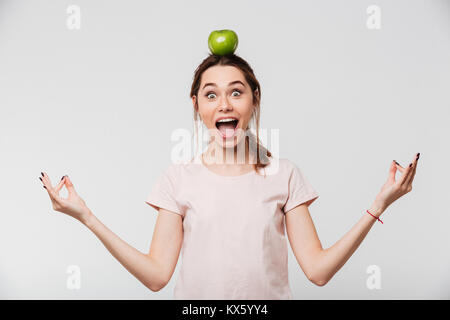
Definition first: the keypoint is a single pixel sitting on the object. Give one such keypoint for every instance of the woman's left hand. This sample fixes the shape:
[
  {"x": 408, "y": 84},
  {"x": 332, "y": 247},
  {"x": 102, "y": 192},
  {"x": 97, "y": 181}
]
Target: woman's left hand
[{"x": 392, "y": 190}]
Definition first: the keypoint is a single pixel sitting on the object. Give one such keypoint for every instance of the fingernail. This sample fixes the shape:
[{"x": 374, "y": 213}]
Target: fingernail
[
  {"x": 397, "y": 162},
  {"x": 418, "y": 155},
  {"x": 40, "y": 178},
  {"x": 62, "y": 177},
  {"x": 42, "y": 174},
  {"x": 45, "y": 187},
  {"x": 410, "y": 165}
]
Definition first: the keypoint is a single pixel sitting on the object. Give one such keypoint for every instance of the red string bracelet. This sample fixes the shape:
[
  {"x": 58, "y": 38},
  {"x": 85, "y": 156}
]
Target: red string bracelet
[{"x": 374, "y": 216}]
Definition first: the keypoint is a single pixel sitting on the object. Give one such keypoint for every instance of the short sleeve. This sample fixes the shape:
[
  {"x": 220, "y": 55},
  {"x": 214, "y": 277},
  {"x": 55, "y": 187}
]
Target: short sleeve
[
  {"x": 162, "y": 195},
  {"x": 300, "y": 189}
]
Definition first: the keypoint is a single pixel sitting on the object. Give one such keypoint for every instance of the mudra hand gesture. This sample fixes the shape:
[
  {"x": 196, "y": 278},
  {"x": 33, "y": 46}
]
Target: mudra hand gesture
[
  {"x": 73, "y": 205},
  {"x": 392, "y": 190}
]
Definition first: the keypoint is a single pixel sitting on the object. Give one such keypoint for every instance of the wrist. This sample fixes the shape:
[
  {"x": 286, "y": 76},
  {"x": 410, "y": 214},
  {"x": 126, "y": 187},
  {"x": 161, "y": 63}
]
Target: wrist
[
  {"x": 376, "y": 210},
  {"x": 88, "y": 220}
]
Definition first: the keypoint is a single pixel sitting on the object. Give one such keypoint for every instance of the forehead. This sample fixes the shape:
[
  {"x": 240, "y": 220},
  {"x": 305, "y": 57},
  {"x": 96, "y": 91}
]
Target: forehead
[{"x": 222, "y": 75}]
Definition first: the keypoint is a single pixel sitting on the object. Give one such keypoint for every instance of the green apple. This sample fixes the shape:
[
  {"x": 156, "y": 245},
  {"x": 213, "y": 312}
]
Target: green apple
[{"x": 222, "y": 42}]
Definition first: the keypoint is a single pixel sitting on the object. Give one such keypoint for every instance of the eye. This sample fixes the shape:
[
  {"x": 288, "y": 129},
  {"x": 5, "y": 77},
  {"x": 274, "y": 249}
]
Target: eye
[
  {"x": 237, "y": 91},
  {"x": 211, "y": 92},
  {"x": 207, "y": 95}
]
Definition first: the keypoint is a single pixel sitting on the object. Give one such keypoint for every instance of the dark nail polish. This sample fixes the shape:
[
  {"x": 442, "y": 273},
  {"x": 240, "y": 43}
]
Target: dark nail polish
[
  {"x": 410, "y": 165},
  {"x": 418, "y": 155},
  {"x": 42, "y": 174},
  {"x": 397, "y": 162},
  {"x": 45, "y": 187},
  {"x": 62, "y": 177},
  {"x": 40, "y": 178}
]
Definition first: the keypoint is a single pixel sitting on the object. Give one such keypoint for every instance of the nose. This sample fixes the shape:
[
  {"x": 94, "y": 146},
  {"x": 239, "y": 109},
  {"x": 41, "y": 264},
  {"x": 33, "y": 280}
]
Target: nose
[{"x": 225, "y": 106}]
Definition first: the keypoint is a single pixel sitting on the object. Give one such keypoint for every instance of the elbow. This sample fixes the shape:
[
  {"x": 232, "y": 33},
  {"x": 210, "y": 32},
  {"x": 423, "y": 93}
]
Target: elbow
[
  {"x": 156, "y": 286},
  {"x": 320, "y": 282},
  {"x": 154, "y": 289},
  {"x": 158, "y": 279}
]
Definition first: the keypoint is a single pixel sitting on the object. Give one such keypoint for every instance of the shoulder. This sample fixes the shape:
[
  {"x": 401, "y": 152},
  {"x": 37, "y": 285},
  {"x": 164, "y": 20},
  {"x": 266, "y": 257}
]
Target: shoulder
[
  {"x": 279, "y": 166},
  {"x": 284, "y": 163},
  {"x": 292, "y": 171},
  {"x": 287, "y": 169},
  {"x": 178, "y": 168},
  {"x": 288, "y": 164}
]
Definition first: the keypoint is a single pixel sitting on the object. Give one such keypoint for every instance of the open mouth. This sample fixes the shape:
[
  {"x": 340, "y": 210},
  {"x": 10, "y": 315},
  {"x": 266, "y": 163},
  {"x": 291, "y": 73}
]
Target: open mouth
[{"x": 227, "y": 127}]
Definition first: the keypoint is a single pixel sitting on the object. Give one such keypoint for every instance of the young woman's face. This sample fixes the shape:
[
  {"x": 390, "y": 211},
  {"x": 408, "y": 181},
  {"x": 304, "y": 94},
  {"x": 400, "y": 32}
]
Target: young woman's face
[{"x": 224, "y": 93}]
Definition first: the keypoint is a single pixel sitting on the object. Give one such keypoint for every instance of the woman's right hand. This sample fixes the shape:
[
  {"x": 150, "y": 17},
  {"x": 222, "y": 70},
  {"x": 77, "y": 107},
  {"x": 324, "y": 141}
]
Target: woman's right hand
[{"x": 73, "y": 205}]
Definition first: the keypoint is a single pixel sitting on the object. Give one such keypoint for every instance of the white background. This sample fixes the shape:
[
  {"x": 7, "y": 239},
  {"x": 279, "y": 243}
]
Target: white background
[{"x": 100, "y": 104}]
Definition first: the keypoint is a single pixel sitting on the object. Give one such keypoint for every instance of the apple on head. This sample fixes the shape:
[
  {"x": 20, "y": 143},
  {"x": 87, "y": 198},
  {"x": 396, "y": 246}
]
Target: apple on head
[{"x": 222, "y": 42}]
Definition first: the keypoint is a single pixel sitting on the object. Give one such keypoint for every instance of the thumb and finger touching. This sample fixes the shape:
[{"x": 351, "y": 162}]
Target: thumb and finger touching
[
  {"x": 60, "y": 185},
  {"x": 393, "y": 170},
  {"x": 69, "y": 186},
  {"x": 407, "y": 173},
  {"x": 54, "y": 191},
  {"x": 65, "y": 181}
]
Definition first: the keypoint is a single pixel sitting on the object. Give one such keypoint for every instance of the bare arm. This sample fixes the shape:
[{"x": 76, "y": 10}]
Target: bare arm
[
  {"x": 154, "y": 269},
  {"x": 319, "y": 264},
  {"x": 332, "y": 259}
]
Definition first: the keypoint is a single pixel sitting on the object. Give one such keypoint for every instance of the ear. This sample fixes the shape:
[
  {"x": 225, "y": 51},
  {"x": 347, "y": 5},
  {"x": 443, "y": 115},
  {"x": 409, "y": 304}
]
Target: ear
[
  {"x": 194, "y": 98},
  {"x": 255, "y": 99},
  {"x": 256, "y": 93}
]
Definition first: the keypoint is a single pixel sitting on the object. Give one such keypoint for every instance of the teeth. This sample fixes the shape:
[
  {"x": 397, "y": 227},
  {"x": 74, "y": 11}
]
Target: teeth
[{"x": 227, "y": 120}]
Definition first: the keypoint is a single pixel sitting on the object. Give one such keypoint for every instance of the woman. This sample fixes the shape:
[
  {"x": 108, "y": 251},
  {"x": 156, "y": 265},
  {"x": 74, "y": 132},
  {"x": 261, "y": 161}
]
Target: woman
[{"x": 228, "y": 217}]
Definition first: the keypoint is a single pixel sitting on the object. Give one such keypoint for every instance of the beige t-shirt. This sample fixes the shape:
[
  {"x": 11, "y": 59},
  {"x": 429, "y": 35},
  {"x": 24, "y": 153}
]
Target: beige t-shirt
[{"x": 234, "y": 244}]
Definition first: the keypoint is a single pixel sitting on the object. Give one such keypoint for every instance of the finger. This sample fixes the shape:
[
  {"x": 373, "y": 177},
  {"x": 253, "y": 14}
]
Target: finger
[
  {"x": 410, "y": 178},
  {"x": 46, "y": 180},
  {"x": 69, "y": 185},
  {"x": 404, "y": 175},
  {"x": 413, "y": 173},
  {"x": 392, "y": 171},
  {"x": 60, "y": 184},
  {"x": 48, "y": 186},
  {"x": 407, "y": 174},
  {"x": 399, "y": 167}
]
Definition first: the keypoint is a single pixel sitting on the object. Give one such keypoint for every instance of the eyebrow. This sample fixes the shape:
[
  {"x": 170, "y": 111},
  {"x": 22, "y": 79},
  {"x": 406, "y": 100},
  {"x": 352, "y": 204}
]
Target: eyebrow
[{"x": 214, "y": 85}]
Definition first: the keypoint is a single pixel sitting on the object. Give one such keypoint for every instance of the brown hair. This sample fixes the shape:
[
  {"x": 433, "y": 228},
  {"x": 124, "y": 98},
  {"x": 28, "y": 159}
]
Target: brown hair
[{"x": 261, "y": 153}]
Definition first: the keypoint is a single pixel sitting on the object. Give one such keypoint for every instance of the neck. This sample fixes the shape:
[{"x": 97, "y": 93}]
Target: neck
[{"x": 238, "y": 155}]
